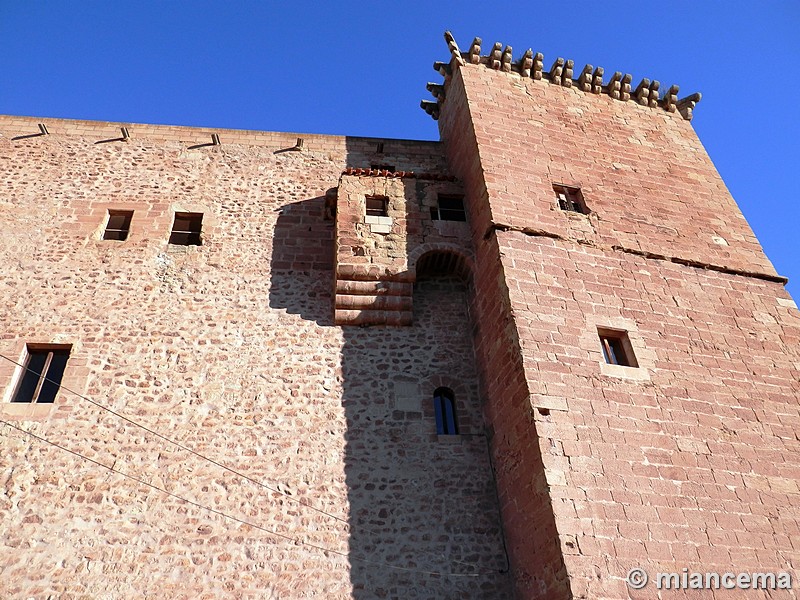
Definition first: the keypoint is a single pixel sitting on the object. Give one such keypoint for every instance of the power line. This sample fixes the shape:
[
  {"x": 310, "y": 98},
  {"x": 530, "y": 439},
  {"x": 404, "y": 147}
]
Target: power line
[
  {"x": 186, "y": 448},
  {"x": 225, "y": 467},
  {"x": 232, "y": 517}
]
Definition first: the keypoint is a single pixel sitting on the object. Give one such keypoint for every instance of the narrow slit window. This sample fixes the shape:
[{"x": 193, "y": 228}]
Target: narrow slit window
[
  {"x": 186, "y": 229},
  {"x": 119, "y": 225},
  {"x": 377, "y": 206},
  {"x": 449, "y": 208},
  {"x": 617, "y": 349},
  {"x": 444, "y": 406},
  {"x": 44, "y": 368},
  {"x": 570, "y": 199}
]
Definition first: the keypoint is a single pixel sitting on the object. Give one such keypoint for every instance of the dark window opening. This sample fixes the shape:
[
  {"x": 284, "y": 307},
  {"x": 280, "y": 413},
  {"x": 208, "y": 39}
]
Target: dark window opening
[
  {"x": 44, "y": 368},
  {"x": 119, "y": 225},
  {"x": 186, "y": 229},
  {"x": 389, "y": 168},
  {"x": 570, "y": 199},
  {"x": 617, "y": 349},
  {"x": 449, "y": 208},
  {"x": 444, "y": 406},
  {"x": 331, "y": 197},
  {"x": 377, "y": 206}
]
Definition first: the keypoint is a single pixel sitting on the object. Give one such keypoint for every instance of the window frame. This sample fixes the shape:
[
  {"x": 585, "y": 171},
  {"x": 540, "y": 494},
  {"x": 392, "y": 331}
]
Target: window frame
[
  {"x": 374, "y": 211},
  {"x": 42, "y": 379},
  {"x": 123, "y": 231},
  {"x": 616, "y": 348},
  {"x": 438, "y": 211},
  {"x": 444, "y": 409},
  {"x": 569, "y": 198},
  {"x": 192, "y": 237}
]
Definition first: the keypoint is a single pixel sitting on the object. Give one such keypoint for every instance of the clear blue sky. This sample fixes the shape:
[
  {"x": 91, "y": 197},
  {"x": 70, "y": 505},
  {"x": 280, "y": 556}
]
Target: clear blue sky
[{"x": 361, "y": 68}]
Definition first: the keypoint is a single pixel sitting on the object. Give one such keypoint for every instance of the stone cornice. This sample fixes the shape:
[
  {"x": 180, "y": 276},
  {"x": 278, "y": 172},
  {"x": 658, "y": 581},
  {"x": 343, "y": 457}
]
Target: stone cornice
[{"x": 531, "y": 65}]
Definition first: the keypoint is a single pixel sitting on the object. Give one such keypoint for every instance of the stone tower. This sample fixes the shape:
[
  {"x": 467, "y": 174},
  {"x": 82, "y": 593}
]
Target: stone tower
[
  {"x": 638, "y": 352},
  {"x": 515, "y": 363}
]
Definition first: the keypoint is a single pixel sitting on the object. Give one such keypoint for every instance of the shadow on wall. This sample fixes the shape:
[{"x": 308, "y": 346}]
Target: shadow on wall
[
  {"x": 424, "y": 518},
  {"x": 302, "y": 261},
  {"x": 419, "y": 501}
]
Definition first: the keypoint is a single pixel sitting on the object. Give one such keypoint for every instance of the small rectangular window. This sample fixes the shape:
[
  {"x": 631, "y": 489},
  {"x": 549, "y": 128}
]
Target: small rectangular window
[
  {"x": 617, "y": 349},
  {"x": 186, "y": 229},
  {"x": 377, "y": 206},
  {"x": 570, "y": 199},
  {"x": 44, "y": 368},
  {"x": 119, "y": 225},
  {"x": 449, "y": 208}
]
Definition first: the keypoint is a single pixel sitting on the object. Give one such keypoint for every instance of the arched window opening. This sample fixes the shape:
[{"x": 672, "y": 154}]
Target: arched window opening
[{"x": 444, "y": 405}]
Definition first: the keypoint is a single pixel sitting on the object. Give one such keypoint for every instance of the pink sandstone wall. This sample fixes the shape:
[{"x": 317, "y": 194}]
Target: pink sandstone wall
[
  {"x": 690, "y": 460},
  {"x": 230, "y": 349},
  {"x": 376, "y": 256}
]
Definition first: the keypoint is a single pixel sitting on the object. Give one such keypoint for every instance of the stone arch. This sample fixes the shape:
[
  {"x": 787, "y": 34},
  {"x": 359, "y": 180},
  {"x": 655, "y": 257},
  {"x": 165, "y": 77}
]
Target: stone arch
[{"x": 441, "y": 258}]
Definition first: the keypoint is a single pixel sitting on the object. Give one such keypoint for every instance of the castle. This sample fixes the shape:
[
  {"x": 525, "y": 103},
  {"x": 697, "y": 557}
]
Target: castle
[{"x": 516, "y": 363}]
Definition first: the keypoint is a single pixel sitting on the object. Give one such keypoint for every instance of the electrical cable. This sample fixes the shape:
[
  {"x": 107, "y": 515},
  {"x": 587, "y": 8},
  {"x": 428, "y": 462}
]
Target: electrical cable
[
  {"x": 229, "y": 516},
  {"x": 226, "y": 468}
]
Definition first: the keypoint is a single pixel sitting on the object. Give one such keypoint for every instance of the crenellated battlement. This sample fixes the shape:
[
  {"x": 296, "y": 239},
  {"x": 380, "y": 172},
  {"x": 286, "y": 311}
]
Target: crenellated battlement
[{"x": 562, "y": 72}]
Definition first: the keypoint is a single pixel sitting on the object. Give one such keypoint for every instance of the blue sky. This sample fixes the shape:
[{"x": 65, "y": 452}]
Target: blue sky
[{"x": 361, "y": 68}]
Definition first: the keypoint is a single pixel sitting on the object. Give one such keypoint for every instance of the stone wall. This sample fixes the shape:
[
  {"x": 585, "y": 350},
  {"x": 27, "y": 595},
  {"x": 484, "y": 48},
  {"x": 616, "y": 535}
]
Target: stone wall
[
  {"x": 228, "y": 349},
  {"x": 528, "y": 519},
  {"x": 377, "y": 256},
  {"x": 690, "y": 460}
]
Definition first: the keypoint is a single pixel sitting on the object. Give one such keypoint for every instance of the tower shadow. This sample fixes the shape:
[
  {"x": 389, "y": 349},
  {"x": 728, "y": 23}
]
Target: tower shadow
[
  {"x": 423, "y": 511},
  {"x": 302, "y": 261}
]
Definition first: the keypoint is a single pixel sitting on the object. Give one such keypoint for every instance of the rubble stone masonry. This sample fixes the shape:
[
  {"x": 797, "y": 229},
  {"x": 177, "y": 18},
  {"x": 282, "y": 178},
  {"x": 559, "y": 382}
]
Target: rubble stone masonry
[
  {"x": 229, "y": 349},
  {"x": 254, "y": 416}
]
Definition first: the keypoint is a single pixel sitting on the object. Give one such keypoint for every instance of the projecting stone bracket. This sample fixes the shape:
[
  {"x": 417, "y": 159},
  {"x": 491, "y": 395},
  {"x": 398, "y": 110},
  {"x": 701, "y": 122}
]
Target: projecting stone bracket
[
  {"x": 590, "y": 80},
  {"x": 430, "y": 107},
  {"x": 686, "y": 105},
  {"x": 378, "y": 256},
  {"x": 436, "y": 90}
]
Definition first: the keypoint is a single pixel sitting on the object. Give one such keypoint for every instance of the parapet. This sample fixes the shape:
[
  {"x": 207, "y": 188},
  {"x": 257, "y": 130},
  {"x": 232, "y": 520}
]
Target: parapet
[{"x": 531, "y": 65}]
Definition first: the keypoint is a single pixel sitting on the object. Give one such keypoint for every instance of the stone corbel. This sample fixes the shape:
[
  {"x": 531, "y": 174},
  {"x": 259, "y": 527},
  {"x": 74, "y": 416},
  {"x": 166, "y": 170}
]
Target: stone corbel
[
  {"x": 585, "y": 79},
  {"x": 436, "y": 90},
  {"x": 686, "y": 105},
  {"x": 475, "y": 51},
  {"x": 670, "y": 98},
  {"x": 432, "y": 108},
  {"x": 625, "y": 87},
  {"x": 443, "y": 69},
  {"x": 495, "y": 56},
  {"x": 615, "y": 86},
  {"x": 597, "y": 80},
  {"x": 505, "y": 60},
  {"x": 526, "y": 63},
  {"x": 642, "y": 92},
  {"x": 556, "y": 71},
  {"x": 455, "y": 51},
  {"x": 653, "y": 100},
  {"x": 566, "y": 76}
]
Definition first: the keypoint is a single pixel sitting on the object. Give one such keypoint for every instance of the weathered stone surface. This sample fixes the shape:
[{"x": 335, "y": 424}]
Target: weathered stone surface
[
  {"x": 301, "y": 345},
  {"x": 230, "y": 349},
  {"x": 690, "y": 462}
]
